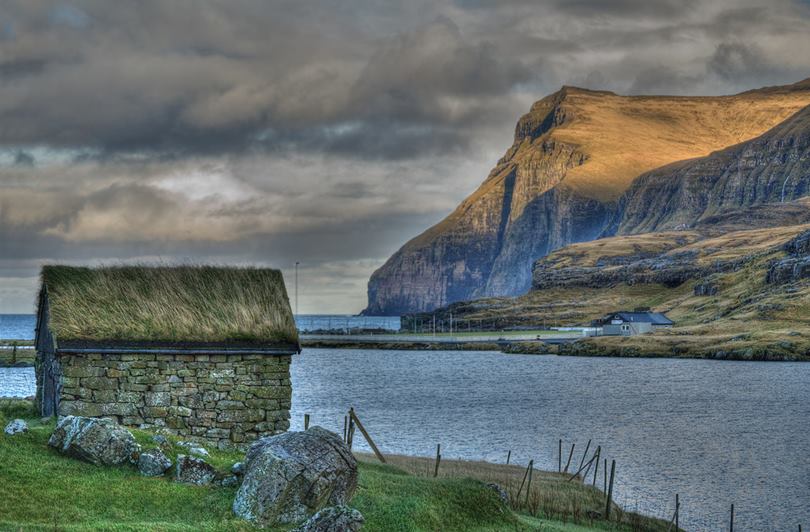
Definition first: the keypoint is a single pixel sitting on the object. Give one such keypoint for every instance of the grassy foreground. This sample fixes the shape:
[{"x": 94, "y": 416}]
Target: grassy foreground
[{"x": 42, "y": 490}]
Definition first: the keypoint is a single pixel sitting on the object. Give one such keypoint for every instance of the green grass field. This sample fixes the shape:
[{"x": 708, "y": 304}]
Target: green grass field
[{"x": 43, "y": 490}]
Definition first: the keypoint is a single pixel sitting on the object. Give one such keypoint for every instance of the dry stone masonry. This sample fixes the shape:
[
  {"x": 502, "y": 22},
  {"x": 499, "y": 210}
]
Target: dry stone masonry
[{"x": 229, "y": 399}]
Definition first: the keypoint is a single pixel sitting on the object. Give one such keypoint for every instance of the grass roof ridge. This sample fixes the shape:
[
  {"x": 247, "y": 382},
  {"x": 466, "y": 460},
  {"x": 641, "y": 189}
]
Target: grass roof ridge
[{"x": 173, "y": 303}]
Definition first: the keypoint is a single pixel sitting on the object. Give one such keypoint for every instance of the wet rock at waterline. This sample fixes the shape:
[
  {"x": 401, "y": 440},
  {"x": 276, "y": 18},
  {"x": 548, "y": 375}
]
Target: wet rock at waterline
[
  {"x": 16, "y": 427},
  {"x": 153, "y": 463},
  {"x": 333, "y": 519},
  {"x": 94, "y": 440},
  {"x": 292, "y": 475}
]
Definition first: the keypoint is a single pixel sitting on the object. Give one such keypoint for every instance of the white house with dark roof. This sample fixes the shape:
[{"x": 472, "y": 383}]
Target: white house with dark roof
[{"x": 624, "y": 323}]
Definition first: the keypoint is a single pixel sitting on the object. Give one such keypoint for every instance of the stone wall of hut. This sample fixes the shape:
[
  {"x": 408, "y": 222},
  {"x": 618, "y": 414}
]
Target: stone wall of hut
[{"x": 230, "y": 400}]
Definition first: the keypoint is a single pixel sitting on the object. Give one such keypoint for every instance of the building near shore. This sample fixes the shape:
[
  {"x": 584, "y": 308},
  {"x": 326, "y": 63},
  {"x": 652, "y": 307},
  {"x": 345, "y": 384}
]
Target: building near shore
[
  {"x": 201, "y": 351},
  {"x": 625, "y": 323}
]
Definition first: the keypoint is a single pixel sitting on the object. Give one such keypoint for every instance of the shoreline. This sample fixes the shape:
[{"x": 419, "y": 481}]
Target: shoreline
[
  {"x": 580, "y": 348},
  {"x": 25, "y": 356}
]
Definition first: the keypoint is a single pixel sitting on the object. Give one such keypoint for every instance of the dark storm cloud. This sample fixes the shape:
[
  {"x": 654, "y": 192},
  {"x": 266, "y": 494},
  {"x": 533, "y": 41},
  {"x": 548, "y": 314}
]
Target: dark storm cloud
[
  {"x": 270, "y": 131},
  {"x": 164, "y": 77}
]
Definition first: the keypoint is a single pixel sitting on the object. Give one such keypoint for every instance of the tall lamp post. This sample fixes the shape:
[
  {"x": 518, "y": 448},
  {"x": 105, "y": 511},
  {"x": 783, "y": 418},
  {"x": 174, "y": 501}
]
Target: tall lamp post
[{"x": 296, "y": 287}]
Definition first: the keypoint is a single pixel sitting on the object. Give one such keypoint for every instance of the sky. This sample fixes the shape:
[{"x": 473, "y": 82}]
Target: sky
[{"x": 262, "y": 132}]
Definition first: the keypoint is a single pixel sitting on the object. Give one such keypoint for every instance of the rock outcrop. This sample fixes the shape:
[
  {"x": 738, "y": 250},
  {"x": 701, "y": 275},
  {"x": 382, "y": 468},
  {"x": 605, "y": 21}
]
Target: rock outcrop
[
  {"x": 574, "y": 154},
  {"x": 153, "y": 463},
  {"x": 334, "y": 519},
  {"x": 17, "y": 426},
  {"x": 192, "y": 470},
  {"x": 290, "y": 476},
  {"x": 773, "y": 168},
  {"x": 795, "y": 266},
  {"x": 95, "y": 440}
]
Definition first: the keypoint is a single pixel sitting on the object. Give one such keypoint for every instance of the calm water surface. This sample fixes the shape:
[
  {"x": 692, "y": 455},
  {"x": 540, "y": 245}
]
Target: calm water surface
[{"x": 716, "y": 432}]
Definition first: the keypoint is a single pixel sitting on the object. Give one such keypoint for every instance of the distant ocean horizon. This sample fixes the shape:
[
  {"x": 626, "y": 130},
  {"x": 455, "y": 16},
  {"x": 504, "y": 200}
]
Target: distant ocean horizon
[{"x": 21, "y": 326}]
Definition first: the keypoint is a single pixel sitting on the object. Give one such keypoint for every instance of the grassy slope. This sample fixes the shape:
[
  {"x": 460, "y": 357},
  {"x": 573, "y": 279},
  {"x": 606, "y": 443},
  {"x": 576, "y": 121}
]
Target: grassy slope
[
  {"x": 746, "y": 319},
  {"x": 42, "y": 490}
]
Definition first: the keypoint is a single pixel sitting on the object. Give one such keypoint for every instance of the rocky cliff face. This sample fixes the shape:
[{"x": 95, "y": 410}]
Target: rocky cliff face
[
  {"x": 573, "y": 156},
  {"x": 773, "y": 168}
]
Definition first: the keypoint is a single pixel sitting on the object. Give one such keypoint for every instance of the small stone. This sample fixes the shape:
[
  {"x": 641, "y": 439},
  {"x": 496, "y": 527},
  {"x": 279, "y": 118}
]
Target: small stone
[
  {"x": 500, "y": 491},
  {"x": 192, "y": 470},
  {"x": 238, "y": 468},
  {"x": 333, "y": 519},
  {"x": 194, "y": 449},
  {"x": 229, "y": 481},
  {"x": 16, "y": 427},
  {"x": 153, "y": 463},
  {"x": 160, "y": 439},
  {"x": 198, "y": 451}
]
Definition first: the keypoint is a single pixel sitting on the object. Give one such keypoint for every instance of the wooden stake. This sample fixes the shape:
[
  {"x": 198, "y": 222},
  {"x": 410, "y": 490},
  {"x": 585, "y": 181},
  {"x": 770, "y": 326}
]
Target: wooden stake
[
  {"x": 350, "y": 433},
  {"x": 529, "y": 484},
  {"x": 731, "y": 520},
  {"x": 438, "y": 459},
  {"x": 508, "y": 457},
  {"x": 596, "y": 469},
  {"x": 605, "y": 469},
  {"x": 306, "y": 421},
  {"x": 588, "y": 464},
  {"x": 345, "y": 429},
  {"x": 569, "y": 457},
  {"x": 559, "y": 459},
  {"x": 526, "y": 474},
  {"x": 610, "y": 489},
  {"x": 360, "y": 426},
  {"x": 585, "y": 454},
  {"x": 678, "y": 511}
]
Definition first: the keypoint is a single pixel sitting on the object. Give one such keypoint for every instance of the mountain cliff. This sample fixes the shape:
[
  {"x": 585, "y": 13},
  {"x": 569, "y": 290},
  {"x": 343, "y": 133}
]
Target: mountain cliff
[
  {"x": 774, "y": 167},
  {"x": 574, "y": 154}
]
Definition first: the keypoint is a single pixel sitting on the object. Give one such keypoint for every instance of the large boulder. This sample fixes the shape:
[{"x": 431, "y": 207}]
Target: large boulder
[
  {"x": 292, "y": 475},
  {"x": 95, "y": 440},
  {"x": 333, "y": 519}
]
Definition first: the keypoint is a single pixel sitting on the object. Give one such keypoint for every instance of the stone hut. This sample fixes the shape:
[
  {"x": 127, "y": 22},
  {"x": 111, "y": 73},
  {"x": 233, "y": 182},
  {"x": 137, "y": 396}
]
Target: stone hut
[{"x": 203, "y": 352}]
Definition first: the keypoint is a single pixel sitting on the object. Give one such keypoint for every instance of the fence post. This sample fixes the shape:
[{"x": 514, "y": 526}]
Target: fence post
[
  {"x": 526, "y": 474},
  {"x": 585, "y": 454},
  {"x": 356, "y": 421},
  {"x": 596, "y": 469},
  {"x": 731, "y": 520},
  {"x": 438, "y": 459},
  {"x": 559, "y": 459},
  {"x": 604, "y": 463},
  {"x": 345, "y": 429},
  {"x": 677, "y": 511},
  {"x": 508, "y": 456},
  {"x": 306, "y": 421},
  {"x": 569, "y": 457},
  {"x": 610, "y": 489},
  {"x": 529, "y": 484}
]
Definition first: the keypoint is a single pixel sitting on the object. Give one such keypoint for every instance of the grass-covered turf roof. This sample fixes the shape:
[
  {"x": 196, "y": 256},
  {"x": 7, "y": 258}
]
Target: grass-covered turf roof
[{"x": 183, "y": 304}]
